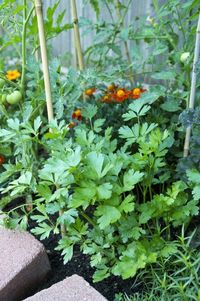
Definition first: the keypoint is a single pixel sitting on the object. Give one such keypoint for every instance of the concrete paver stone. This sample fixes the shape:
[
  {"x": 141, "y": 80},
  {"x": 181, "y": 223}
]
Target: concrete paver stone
[
  {"x": 73, "y": 288},
  {"x": 24, "y": 264}
]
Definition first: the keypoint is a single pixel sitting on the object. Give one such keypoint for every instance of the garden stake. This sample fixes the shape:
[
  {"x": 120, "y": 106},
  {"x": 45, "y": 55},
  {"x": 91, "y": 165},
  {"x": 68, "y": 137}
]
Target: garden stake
[
  {"x": 77, "y": 39},
  {"x": 77, "y": 35},
  {"x": 43, "y": 49},
  {"x": 24, "y": 46},
  {"x": 76, "y": 64},
  {"x": 26, "y": 18},
  {"x": 193, "y": 88},
  {"x": 37, "y": 51}
]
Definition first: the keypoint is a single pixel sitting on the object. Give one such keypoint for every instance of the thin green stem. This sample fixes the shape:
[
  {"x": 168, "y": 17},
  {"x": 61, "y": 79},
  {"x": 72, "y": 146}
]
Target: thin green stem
[
  {"x": 91, "y": 124},
  {"x": 180, "y": 24},
  {"x": 149, "y": 228},
  {"x": 144, "y": 194},
  {"x": 18, "y": 207},
  {"x": 110, "y": 11},
  {"x": 29, "y": 15},
  {"x": 158, "y": 226},
  {"x": 90, "y": 221},
  {"x": 140, "y": 187},
  {"x": 62, "y": 226},
  {"x": 150, "y": 193},
  {"x": 26, "y": 19},
  {"x": 126, "y": 9},
  {"x": 168, "y": 229},
  {"x": 61, "y": 211}
]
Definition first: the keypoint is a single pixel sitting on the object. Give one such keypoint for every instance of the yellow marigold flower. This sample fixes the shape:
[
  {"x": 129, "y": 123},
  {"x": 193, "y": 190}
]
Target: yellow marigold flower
[
  {"x": 120, "y": 93},
  {"x": 136, "y": 92},
  {"x": 13, "y": 74},
  {"x": 89, "y": 92}
]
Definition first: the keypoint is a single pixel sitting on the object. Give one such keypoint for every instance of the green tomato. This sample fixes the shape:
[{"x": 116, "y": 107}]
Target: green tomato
[
  {"x": 14, "y": 97},
  {"x": 3, "y": 98},
  {"x": 2, "y": 82},
  {"x": 184, "y": 57}
]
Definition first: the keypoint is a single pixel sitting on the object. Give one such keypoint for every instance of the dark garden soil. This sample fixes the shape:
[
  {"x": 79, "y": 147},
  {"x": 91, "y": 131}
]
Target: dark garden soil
[{"x": 80, "y": 265}]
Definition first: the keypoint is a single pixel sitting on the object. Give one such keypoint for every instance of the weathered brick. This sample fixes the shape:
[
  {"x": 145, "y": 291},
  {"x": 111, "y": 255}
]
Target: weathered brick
[
  {"x": 73, "y": 288},
  {"x": 23, "y": 264}
]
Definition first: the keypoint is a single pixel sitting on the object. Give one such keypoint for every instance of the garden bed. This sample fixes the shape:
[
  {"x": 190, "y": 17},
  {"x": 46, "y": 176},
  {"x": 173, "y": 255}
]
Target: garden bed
[
  {"x": 80, "y": 265},
  {"x": 105, "y": 157}
]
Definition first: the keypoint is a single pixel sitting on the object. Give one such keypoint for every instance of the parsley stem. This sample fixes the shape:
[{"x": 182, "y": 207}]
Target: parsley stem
[{"x": 90, "y": 221}]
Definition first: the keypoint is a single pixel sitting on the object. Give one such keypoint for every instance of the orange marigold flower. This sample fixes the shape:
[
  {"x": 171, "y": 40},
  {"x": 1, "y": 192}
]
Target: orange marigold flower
[
  {"x": 13, "y": 74},
  {"x": 121, "y": 95},
  {"x": 2, "y": 159},
  {"x": 89, "y": 92},
  {"x": 77, "y": 114},
  {"x": 136, "y": 92}
]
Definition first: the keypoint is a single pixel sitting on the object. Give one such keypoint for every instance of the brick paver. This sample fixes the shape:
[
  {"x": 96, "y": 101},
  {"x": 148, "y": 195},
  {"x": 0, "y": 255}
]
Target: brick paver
[
  {"x": 73, "y": 288},
  {"x": 23, "y": 264}
]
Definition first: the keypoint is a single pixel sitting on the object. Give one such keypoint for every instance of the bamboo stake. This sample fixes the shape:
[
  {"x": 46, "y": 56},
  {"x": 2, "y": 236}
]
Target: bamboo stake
[
  {"x": 43, "y": 47},
  {"x": 45, "y": 65},
  {"x": 23, "y": 79},
  {"x": 37, "y": 52},
  {"x": 193, "y": 88},
  {"x": 76, "y": 64},
  {"x": 77, "y": 34},
  {"x": 26, "y": 18}
]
